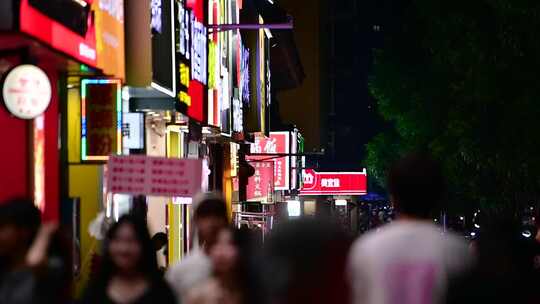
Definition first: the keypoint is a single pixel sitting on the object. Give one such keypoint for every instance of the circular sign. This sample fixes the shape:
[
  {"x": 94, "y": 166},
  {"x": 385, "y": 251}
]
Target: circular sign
[{"x": 27, "y": 91}]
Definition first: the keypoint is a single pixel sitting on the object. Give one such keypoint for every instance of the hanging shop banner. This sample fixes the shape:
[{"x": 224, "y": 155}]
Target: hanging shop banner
[
  {"x": 220, "y": 55},
  {"x": 66, "y": 26},
  {"x": 277, "y": 143},
  {"x": 334, "y": 183},
  {"x": 192, "y": 57},
  {"x": 260, "y": 186},
  {"x": 109, "y": 16},
  {"x": 101, "y": 118},
  {"x": 238, "y": 114},
  {"x": 154, "y": 176},
  {"x": 163, "y": 46},
  {"x": 26, "y": 91}
]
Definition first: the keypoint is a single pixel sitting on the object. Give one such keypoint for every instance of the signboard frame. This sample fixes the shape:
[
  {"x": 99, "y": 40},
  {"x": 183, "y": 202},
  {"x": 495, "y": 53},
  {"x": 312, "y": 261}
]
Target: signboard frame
[
  {"x": 335, "y": 189},
  {"x": 84, "y": 122}
]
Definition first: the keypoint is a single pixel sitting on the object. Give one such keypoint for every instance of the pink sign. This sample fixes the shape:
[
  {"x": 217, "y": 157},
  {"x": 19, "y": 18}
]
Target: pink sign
[
  {"x": 277, "y": 143},
  {"x": 261, "y": 184},
  {"x": 334, "y": 183},
  {"x": 154, "y": 176}
]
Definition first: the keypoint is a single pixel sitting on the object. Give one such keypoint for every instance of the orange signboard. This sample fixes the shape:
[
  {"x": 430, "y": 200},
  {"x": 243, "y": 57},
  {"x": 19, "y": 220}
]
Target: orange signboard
[{"x": 109, "y": 24}]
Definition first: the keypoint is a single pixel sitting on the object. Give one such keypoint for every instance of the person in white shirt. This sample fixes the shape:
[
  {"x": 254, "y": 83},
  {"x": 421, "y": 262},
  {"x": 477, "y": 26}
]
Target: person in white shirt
[
  {"x": 210, "y": 218},
  {"x": 409, "y": 261}
]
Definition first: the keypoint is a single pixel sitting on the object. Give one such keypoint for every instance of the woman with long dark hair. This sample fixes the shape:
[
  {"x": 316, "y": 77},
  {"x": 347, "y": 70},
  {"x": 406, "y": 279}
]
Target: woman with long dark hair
[
  {"x": 234, "y": 279},
  {"x": 129, "y": 272}
]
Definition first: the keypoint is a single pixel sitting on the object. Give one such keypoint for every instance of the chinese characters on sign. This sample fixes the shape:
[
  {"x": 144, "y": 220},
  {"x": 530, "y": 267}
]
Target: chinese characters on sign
[
  {"x": 198, "y": 50},
  {"x": 261, "y": 185},
  {"x": 183, "y": 20},
  {"x": 27, "y": 91},
  {"x": 276, "y": 144},
  {"x": 101, "y": 119},
  {"x": 334, "y": 183},
  {"x": 154, "y": 176},
  {"x": 156, "y": 11},
  {"x": 238, "y": 116},
  {"x": 244, "y": 74}
]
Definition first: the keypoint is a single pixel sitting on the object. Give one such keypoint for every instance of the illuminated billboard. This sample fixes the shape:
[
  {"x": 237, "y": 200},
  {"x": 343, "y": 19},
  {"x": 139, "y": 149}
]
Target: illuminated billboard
[
  {"x": 66, "y": 26},
  {"x": 192, "y": 58},
  {"x": 334, "y": 183},
  {"x": 101, "y": 118}
]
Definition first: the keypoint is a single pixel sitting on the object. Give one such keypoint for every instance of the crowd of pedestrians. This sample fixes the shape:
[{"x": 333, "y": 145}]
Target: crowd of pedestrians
[{"x": 408, "y": 261}]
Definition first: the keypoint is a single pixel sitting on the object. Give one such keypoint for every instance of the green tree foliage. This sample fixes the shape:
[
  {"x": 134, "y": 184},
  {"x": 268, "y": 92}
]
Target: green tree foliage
[{"x": 462, "y": 79}]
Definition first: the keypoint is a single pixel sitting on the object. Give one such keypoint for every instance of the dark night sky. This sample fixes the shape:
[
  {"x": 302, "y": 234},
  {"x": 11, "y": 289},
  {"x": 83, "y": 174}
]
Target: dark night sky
[{"x": 356, "y": 120}]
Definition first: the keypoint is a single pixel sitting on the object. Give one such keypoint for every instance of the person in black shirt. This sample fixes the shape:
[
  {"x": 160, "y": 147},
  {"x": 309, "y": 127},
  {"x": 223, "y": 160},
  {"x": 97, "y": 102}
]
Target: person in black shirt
[
  {"x": 33, "y": 267},
  {"x": 129, "y": 272}
]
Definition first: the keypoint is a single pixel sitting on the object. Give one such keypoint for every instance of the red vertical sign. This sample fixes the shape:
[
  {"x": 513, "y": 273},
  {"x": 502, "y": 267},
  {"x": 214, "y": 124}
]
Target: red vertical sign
[
  {"x": 276, "y": 144},
  {"x": 261, "y": 184}
]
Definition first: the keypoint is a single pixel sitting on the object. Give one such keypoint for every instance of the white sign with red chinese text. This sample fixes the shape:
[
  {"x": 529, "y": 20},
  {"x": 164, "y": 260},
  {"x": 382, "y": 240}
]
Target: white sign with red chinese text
[
  {"x": 154, "y": 176},
  {"x": 27, "y": 91},
  {"x": 334, "y": 183},
  {"x": 261, "y": 185},
  {"x": 278, "y": 143}
]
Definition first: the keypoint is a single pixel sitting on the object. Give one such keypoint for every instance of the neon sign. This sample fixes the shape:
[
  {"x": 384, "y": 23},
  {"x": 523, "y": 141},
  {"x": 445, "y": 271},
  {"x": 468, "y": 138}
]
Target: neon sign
[
  {"x": 156, "y": 11},
  {"x": 238, "y": 116},
  {"x": 101, "y": 118},
  {"x": 184, "y": 19},
  {"x": 244, "y": 75},
  {"x": 334, "y": 183},
  {"x": 198, "y": 50}
]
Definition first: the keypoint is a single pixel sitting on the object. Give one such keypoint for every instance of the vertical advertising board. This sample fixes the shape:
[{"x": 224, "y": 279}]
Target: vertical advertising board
[
  {"x": 260, "y": 186},
  {"x": 192, "y": 57},
  {"x": 163, "y": 46},
  {"x": 220, "y": 67},
  {"x": 109, "y": 23},
  {"x": 101, "y": 119},
  {"x": 277, "y": 143}
]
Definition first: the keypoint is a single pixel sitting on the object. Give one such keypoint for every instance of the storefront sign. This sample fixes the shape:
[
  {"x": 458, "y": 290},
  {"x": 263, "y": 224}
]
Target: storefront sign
[
  {"x": 101, "y": 118},
  {"x": 244, "y": 75},
  {"x": 234, "y": 158},
  {"x": 64, "y": 25},
  {"x": 163, "y": 47},
  {"x": 184, "y": 31},
  {"x": 26, "y": 91},
  {"x": 238, "y": 116},
  {"x": 261, "y": 185},
  {"x": 199, "y": 58},
  {"x": 154, "y": 176},
  {"x": 277, "y": 143},
  {"x": 133, "y": 130},
  {"x": 334, "y": 183},
  {"x": 156, "y": 15},
  {"x": 110, "y": 37},
  {"x": 193, "y": 59}
]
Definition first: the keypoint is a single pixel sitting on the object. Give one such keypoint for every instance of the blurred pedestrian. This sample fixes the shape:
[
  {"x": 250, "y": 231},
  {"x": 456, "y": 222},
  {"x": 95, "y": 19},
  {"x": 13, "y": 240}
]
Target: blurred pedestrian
[
  {"x": 129, "y": 272},
  {"x": 304, "y": 261},
  {"x": 33, "y": 268},
  {"x": 234, "y": 280},
  {"x": 210, "y": 217},
  {"x": 408, "y": 261},
  {"x": 160, "y": 241}
]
